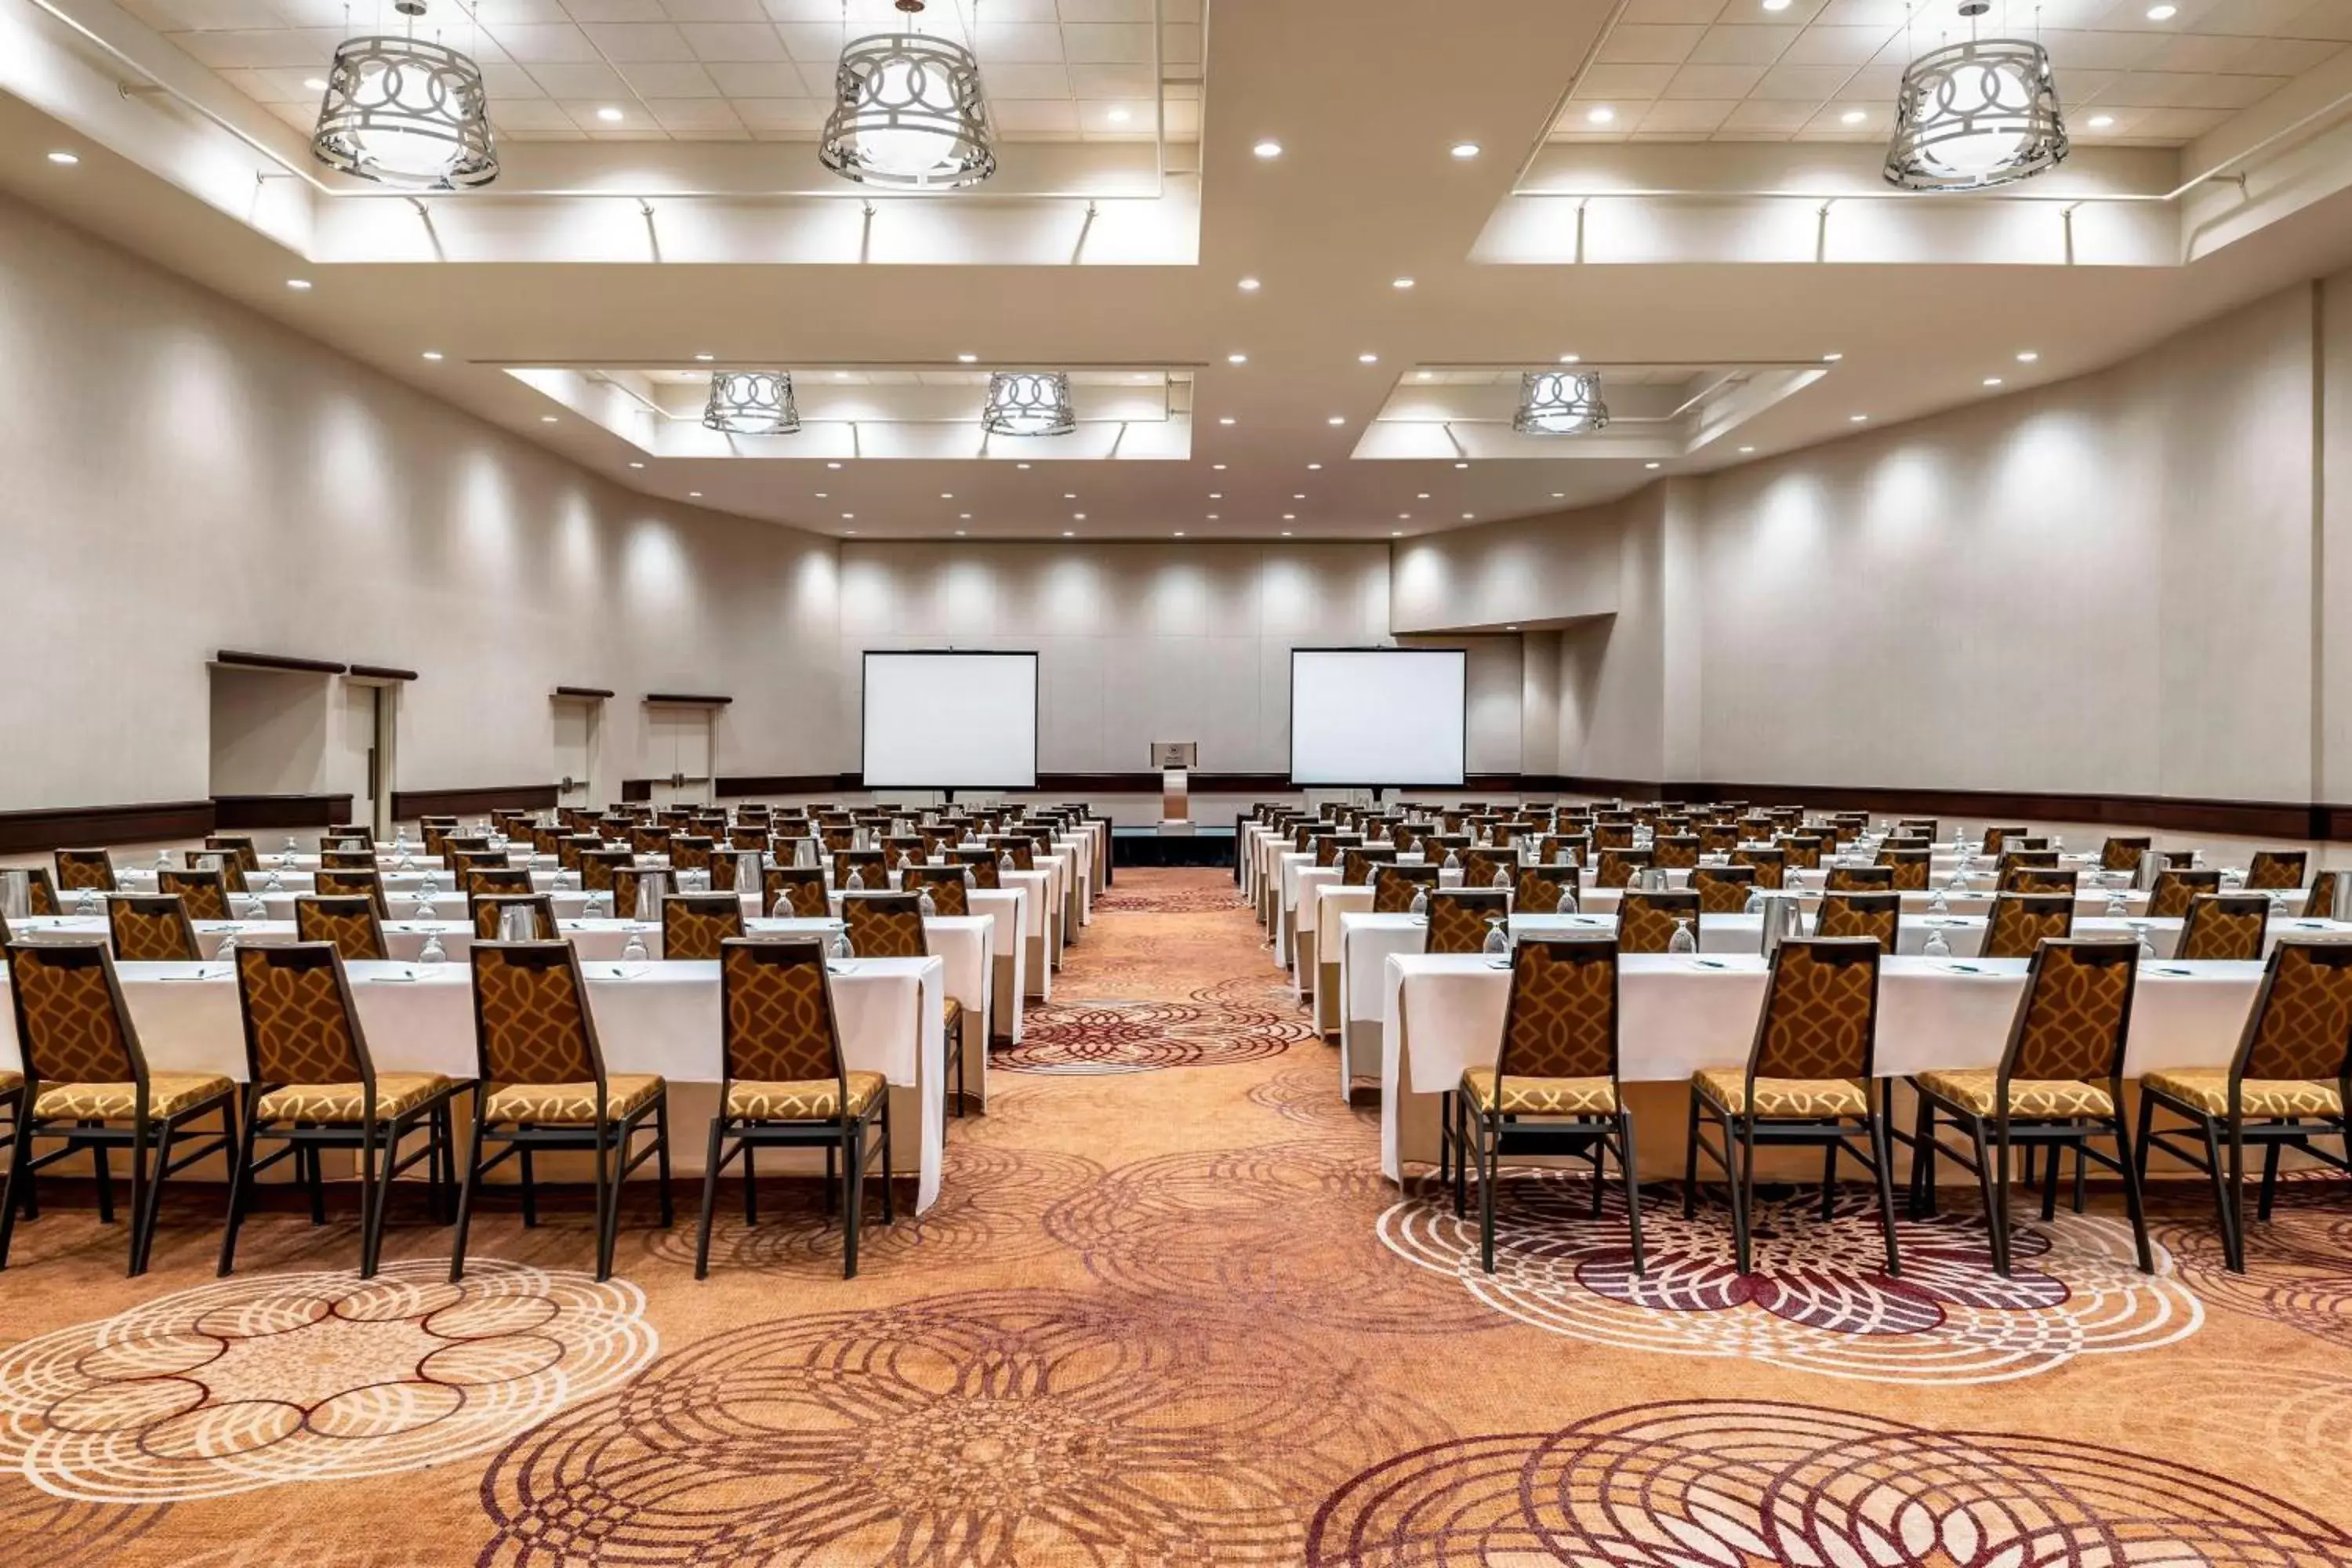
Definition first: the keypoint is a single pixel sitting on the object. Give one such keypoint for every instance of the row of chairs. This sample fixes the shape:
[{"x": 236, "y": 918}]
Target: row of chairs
[
  {"x": 1555, "y": 1088},
  {"x": 540, "y": 1086}
]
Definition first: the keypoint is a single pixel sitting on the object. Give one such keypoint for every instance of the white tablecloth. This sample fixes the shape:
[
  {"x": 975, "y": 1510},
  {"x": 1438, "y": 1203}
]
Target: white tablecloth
[
  {"x": 1677, "y": 1015},
  {"x": 650, "y": 1017}
]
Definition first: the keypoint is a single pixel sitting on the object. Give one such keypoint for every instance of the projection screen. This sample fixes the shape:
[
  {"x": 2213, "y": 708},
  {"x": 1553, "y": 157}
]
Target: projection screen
[
  {"x": 951, "y": 720},
  {"x": 1372, "y": 717}
]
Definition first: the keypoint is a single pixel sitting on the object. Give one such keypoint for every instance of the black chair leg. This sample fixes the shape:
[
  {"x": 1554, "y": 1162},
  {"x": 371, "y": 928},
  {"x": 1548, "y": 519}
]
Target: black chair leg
[
  {"x": 1690, "y": 1162},
  {"x": 530, "y": 1187},
  {"x": 17, "y": 1182},
  {"x": 608, "y": 1198},
  {"x": 2269, "y": 1181},
  {"x": 1829, "y": 1182},
  {"x": 376, "y": 1194},
  {"x": 1923, "y": 1161},
  {"x": 240, "y": 1194},
  {"x": 2211, "y": 1131},
  {"x": 1456, "y": 1113},
  {"x": 142, "y": 1237},
  {"x": 2082, "y": 1171},
  {"x": 315, "y": 1173},
  {"x": 1882, "y": 1155},
  {"x": 466, "y": 1186},
  {"x": 2132, "y": 1201},
  {"x": 1741, "y": 1154},
  {"x": 103, "y": 1161},
  {"x": 832, "y": 1191},
  {"x": 752, "y": 1193},
  {"x": 661, "y": 1160},
  {"x": 853, "y": 1198},
  {"x": 1487, "y": 1164},
  {"x": 1632, "y": 1188},
  {"x": 889, "y": 1193},
  {"x": 710, "y": 1163},
  {"x": 1996, "y": 1216},
  {"x": 138, "y": 1186}
]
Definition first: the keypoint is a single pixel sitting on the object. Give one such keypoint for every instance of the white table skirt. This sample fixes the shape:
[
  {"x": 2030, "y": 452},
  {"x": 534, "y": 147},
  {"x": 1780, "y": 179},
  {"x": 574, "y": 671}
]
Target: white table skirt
[
  {"x": 1677, "y": 1015},
  {"x": 650, "y": 1018}
]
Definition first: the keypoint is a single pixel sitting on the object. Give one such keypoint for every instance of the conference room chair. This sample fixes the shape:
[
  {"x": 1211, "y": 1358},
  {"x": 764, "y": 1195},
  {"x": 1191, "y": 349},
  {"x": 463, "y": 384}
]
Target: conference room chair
[
  {"x": 1926, "y": 827},
  {"x": 203, "y": 894},
  {"x": 2177, "y": 888},
  {"x": 1616, "y": 868},
  {"x": 691, "y": 852},
  {"x": 456, "y": 843},
  {"x": 1024, "y": 852},
  {"x": 571, "y": 845},
  {"x": 635, "y": 894},
  {"x": 310, "y": 1086},
  {"x": 599, "y": 867},
  {"x": 2019, "y": 923},
  {"x": 2123, "y": 854},
  {"x": 2224, "y": 927},
  {"x": 943, "y": 883},
  {"x": 40, "y": 889},
  {"x": 223, "y": 861},
  {"x": 869, "y": 867},
  {"x": 1723, "y": 890},
  {"x": 1646, "y": 921},
  {"x": 1997, "y": 839},
  {"x": 751, "y": 835},
  {"x": 1676, "y": 851},
  {"x": 1803, "y": 850},
  {"x": 1564, "y": 848},
  {"x": 645, "y": 838},
  {"x": 239, "y": 845},
  {"x": 1859, "y": 913},
  {"x": 1394, "y": 886},
  {"x": 347, "y": 859},
  {"x": 80, "y": 869},
  {"x": 2059, "y": 1086},
  {"x": 1771, "y": 865},
  {"x": 1612, "y": 834},
  {"x": 479, "y": 880},
  {"x": 87, "y": 1087},
  {"x": 2287, "y": 1083},
  {"x": 436, "y": 834},
  {"x": 1757, "y": 829},
  {"x": 1910, "y": 869},
  {"x": 1808, "y": 1082},
  {"x": 982, "y": 864},
  {"x": 1356, "y": 864},
  {"x": 1553, "y": 1089},
  {"x": 1541, "y": 889},
  {"x": 1489, "y": 868},
  {"x": 1458, "y": 918},
  {"x": 2040, "y": 879},
  {"x": 2318, "y": 905},
  {"x": 695, "y": 924},
  {"x": 891, "y": 925},
  {"x": 486, "y": 913},
  {"x": 2273, "y": 869},
  {"x": 784, "y": 1084},
  {"x": 349, "y": 923},
  {"x": 341, "y": 884},
  {"x": 150, "y": 927},
  {"x": 1860, "y": 879},
  {"x": 1327, "y": 848},
  {"x": 1719, "y": 837},
  {"x": 540, "y": 1084}
]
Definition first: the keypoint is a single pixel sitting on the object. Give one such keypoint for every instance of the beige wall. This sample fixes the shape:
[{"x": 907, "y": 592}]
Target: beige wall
[{"x": 183, "y": 476}]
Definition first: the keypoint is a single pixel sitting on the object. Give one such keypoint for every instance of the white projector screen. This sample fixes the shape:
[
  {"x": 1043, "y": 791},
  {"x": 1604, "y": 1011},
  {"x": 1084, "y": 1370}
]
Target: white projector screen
[
  {"x": 1372, "y": 717},
  {"x": 951, "y": 720}
]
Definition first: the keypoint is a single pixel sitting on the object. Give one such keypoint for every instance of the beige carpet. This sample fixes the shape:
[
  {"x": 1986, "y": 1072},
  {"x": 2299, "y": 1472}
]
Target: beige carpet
[{"x": 1168, "y": 1313}]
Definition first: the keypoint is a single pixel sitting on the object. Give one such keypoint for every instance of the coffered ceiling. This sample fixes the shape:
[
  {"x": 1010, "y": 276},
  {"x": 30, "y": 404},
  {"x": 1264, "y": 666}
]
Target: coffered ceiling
[{"x": 1301, "y": 309}]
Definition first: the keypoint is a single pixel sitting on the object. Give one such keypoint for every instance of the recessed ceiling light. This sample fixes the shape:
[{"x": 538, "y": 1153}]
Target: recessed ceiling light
[
  {"x": 1510, "y": 628},
  {"x": 849, "y": 530},
  {"x": 434, "y": 354},
  {"x": 1400, "y": 283},
  {"x": 1744, "y": 450},
  {"x": 1216, "y": 495},
  {"x": 947, "y": 495},
  {"x": 2028, "y": 357},
  {"x": 637, "y": 464},
  {"x": 64, "y": 159},
  {"x": 2162, "y": 13},
  {"x": 965, "y": 516},
  {"x": 1461, "y": 465},
  {"x": 1465, "y": 149},
  {"x": 1337, "y": 419},
  {"x": 314, "y": 83},
  {"x": 1854, "y": 117},
  {"x": 1859, "y": 418},
  {"x": 1831, "y": 359},
  {"x": 694, "y": 495},
  {"x": 1368, "y": 359},
  {"x": 1179, "y": 533},
  {"x": 1599, "y": 114},
  {"x": 1077, "y": 517},
  {"x": 1404, "y": 516},
  {"x": 1559, "y": 495},
  {"x": 1291, "y": 517},
  {"x": 820, "y": 495},
  {"x": 1652, "y": 465},
  {"x": 1237, "y": 359},
  {"x": 609, "y": 115},
  {"x": 1116, "y": 116},
  {"x": 1423, "y": 374},
  {"x": 2102, "y": 122},
  {"x": 1396, "y": 533},
  {"x": 1285, "y": 533},
  {"x": 1020, "y": 464},
  {"x": 300, "y": 284},
  {"x": 967, "y": 359},
  {"x": 1269, "y": 148},
  {"x": 1776, "y": 4},
  {"x": 1224, "y": 419},
  {"x": 1571, "y": 359},
  {"x": 1300, "y": 495},
  {"x": 1992, "y": 381},
  {"x": 1421, "y": 495},
  {"x": 1069, "y": 495},
  {"x": 1218, "y": 466},
  {"x": 1212, "y": 517},
  {"x": 1069, "y": 534},
  {"x": 847, "y": 515},
  {"x": 962, "y": 532},
  {"x": 547, "y": 419},
  {"x": 1248, "y": 285},
  {"x": 1312, "y": 467},
  {"x": 832, "y": 465},
  {"x": 1469, "y": 516}
]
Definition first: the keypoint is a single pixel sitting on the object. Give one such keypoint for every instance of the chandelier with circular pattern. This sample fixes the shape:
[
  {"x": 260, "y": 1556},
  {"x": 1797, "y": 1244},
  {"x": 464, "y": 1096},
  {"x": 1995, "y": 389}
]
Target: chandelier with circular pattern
[
  {"x": 1977, "y": 115},
  {"x": 1029, "y": 403},
  {"x": 407, "y": 112},
  {"x": 751, "y": 403},
  {"x": 909, "y": 112},
  {"x": 1561, "y": 403}
]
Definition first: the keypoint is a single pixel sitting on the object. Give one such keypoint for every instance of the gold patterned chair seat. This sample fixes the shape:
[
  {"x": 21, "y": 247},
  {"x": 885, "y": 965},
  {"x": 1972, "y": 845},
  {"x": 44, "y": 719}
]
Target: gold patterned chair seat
[
  {"x": 2207, "y": 1090},
  {"x": 1797, "y": 1098},
  {"x": 168, "y": 1094},
  {"x": 10, "y": 1082},
  {"x": 1540, "y": 1096},
  {"x": 809, "y": 1099},
  {"x": 569, "y": 1104},
  {"x": 396, "y": 1094},
  {"x": 1977, "y": 1089}
]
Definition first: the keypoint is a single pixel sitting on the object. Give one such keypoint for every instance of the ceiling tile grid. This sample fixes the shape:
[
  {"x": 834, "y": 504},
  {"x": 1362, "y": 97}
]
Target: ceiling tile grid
[
  {"x": 1829, "y": 71},
  {"x": 1059, "y": 71}
]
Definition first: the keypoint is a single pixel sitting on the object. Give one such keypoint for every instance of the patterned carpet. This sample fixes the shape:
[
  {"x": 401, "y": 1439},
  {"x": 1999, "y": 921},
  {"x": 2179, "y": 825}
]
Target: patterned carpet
[{"x": 1168, "y": 1315}]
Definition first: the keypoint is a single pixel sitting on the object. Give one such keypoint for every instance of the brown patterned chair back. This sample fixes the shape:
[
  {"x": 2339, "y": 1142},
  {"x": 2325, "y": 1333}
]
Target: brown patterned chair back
[
  {"x": 2020, "y": 922},
  {"x": 436, "y": 838},
  {"x": 1926, "y": 827},
  {"x": 1719, "y": 837},
  {"x": 1645, "y": 921},
  {"x": 531, "y": 1022},
  {"x": 1457, "y": 917},
  {"x": 982, "y": 864},
  {"x": 1616, "y": 867},
  {"x": 1676, "y": 850},
  {"x": 597, "y": 866},
  {"x": 1860, "y": 880},
  {"x": 2170, "y": 899},
  {"x": 776, "y": 1008},
  {"x": 1612, "y": 836},
  {"x": 1572, "y": 848},
  {"x": 80, "y": 868},
  {"x": 690, "y": 851},
  {"x": 1995, "y": 838},
  {"x": 740, "y": 837},
  {"x": 480, "y": 879},
  {"x": 571, "y": 845},
  {"x": 695, "y": 924},
  {"x": 1356, "y": 864},
  {"x": 367, "y": 884},
  {"x": 1327, "y": 847},
  {"x": 2300, "y": 1028},
  {"x": 649, "y": 840},
  {"x": 2277, "y": 868},
  {"x": 299, "y": 1025},
  {"x": 1024, "y": 853},
  {"x": 204, "y": 893},
  {"x": 1480, "y": 867},
  {"x": 1393, "y": 887},
  {"x": 886, "y": 925},
  {"x": 2070, "y": 1024},
  {"x": 1562, "y": 1019},
  {"x": 944, "y": 883},
  {"x": 2123, "y": 854},
  {"x": 2038, "y": 880},
  {"x": 41, "y": 890},
  {"x": 486, "y": 908},
  {"x": 871, "y": 865},
  {"x": 1540, "y": 889},
  {"x": 150, "y": 927},
  {"x": 71, "y": 1025},
  {"x": 1802, "y": 849},
  {"x": 1876, "y": 915},
  {"x": 1771, "y": 865},
  {"x": 348, "y": 923},
  {"x": 2225, "y": 927},
  {"x": 347, "y": 859},
  {"x": 1910, "y": 869},
  {"x": 800, "y": 889},
  {"x": 232, "y": 875},
  {"x": 2319, "y": 906},
  {"x": 1723, "y": 890},
  {"x": 1821, "y": 1010},
  {"x": 239, "y": 845}
]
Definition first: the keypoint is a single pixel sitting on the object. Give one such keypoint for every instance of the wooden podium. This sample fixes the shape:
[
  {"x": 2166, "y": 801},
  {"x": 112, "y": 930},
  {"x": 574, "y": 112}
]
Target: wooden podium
[{"x": 1175, "y": 760}]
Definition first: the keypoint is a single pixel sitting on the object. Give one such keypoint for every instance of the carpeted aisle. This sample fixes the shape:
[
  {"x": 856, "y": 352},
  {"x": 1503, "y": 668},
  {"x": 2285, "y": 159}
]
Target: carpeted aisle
[{"x": 1168, "y": 1314}]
